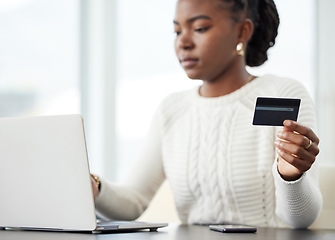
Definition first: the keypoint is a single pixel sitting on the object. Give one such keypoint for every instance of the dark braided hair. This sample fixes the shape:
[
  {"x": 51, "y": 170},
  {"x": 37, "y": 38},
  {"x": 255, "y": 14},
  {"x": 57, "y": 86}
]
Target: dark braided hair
[{"x": 265, "y": 18}]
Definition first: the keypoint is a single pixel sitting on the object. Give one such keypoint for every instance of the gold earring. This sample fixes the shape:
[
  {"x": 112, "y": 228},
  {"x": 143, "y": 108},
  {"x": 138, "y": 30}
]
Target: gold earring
[{"x": 239, "y": 49}]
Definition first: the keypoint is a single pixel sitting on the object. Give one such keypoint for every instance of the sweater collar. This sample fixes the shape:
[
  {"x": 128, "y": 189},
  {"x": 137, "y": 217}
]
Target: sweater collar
[{"x": 239, "y": 94}]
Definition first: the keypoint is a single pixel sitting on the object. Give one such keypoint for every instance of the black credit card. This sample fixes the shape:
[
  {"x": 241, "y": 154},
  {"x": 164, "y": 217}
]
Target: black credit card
[{"x": 273, "y": 111}]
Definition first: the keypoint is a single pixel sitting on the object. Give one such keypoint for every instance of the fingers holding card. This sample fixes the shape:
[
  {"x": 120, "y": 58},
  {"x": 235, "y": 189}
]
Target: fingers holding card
[{"x": 297, "y": 145}]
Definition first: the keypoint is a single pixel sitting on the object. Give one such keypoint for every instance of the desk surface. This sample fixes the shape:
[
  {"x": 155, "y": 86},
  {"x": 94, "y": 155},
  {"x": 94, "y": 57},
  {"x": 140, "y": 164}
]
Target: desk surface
[{"x": 175, "y": 232}]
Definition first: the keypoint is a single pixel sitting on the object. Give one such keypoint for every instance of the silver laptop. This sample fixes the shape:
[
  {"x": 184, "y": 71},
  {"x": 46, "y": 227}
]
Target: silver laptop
[{"x": 45, "y": 180}]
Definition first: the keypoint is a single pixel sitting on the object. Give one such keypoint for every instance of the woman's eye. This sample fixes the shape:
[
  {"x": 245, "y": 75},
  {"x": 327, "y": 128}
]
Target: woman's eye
[
  {"x": 200, "y": 30},
  {"x": 177, "y": 31}
]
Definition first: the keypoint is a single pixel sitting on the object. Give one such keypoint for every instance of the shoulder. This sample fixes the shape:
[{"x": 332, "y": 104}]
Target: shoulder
[
  {"x": 174, "y": 106},
  {"x": 277, "y": 87},
  {"x": 283, "y": 86},
  {"x": 184, "y": 95},
  {"x": 177, "y": 100},
  {"x": 274, "y": 86}
]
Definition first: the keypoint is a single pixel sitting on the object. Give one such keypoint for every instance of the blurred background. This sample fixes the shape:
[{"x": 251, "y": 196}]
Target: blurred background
[{"x": 113, "y": 62}]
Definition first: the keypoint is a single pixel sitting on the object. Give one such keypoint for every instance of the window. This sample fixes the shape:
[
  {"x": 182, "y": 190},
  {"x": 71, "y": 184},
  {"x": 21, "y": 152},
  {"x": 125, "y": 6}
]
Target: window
[
  {"x": 39, "y": 57},
  {"x": 326, "y": 84}
]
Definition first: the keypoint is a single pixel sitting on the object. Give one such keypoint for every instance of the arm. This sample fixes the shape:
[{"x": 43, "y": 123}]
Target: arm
[
  {"x": 127, "y": 201},
  {"x": 298, "y": 202},
  {"x": 295, "y": 172}
]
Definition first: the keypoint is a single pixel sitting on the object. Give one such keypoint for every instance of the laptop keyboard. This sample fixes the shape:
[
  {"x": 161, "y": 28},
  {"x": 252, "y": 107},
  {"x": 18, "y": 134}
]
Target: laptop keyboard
[{"x": 127, "y": 225}]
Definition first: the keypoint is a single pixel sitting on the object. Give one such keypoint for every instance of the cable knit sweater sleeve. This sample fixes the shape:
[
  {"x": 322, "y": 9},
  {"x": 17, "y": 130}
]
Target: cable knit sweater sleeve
[
  {"x": 128, "y": 200},
  {"x": 298, "y": 202}
]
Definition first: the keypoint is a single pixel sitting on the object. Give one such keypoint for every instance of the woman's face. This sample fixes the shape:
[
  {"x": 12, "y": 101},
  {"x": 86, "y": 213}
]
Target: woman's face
[{"x": 206, "y": 38}]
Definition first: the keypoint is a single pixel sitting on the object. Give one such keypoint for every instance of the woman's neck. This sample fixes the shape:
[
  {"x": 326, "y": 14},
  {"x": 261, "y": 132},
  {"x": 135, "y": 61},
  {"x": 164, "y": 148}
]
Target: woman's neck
[{"x": 225, "y": 85}]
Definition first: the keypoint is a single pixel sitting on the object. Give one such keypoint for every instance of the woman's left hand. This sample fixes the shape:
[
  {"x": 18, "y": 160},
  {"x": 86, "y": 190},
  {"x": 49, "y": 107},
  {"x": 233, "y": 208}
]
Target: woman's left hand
[{"x": 297, "y": 148}]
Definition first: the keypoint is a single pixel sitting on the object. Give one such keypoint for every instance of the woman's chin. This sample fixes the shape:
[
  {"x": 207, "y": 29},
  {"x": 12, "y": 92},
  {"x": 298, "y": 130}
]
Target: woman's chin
[{"x": 193, "y": 76}]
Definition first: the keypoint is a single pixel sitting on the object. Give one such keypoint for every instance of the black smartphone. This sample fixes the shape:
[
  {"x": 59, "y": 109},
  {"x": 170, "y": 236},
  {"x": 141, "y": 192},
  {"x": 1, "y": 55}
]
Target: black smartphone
[{"x": 233, "y": 228}]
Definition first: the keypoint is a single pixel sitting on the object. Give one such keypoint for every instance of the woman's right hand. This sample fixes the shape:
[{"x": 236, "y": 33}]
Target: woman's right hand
[{"x": 95, "y": 187}]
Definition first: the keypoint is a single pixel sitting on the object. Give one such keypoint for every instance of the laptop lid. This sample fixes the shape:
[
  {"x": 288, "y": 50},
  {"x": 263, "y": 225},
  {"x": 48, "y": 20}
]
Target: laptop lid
[
  {"x": 45, "y": 178},
  {"x": 44, "y": 174}
]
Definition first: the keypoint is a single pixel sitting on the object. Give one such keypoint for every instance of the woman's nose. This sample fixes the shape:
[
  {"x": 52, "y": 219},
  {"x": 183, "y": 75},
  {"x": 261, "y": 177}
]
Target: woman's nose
[{"x": 185, "y": 41}]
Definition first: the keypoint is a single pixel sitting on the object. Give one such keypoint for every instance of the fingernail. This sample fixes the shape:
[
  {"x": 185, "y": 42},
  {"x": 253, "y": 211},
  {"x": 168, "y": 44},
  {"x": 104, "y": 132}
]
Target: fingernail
[
  {"x": 277, "y": 143},
  {"x": 287, "y": 122},
  {"x": 280, "y": 134}
]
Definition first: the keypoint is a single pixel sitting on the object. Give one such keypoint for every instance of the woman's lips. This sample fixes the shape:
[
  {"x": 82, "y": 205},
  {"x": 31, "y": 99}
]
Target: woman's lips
[{"x": 188, "y": 62}]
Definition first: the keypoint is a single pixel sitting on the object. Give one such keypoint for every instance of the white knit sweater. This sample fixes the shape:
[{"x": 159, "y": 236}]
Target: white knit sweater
[{"x": 221, "y": 168}]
